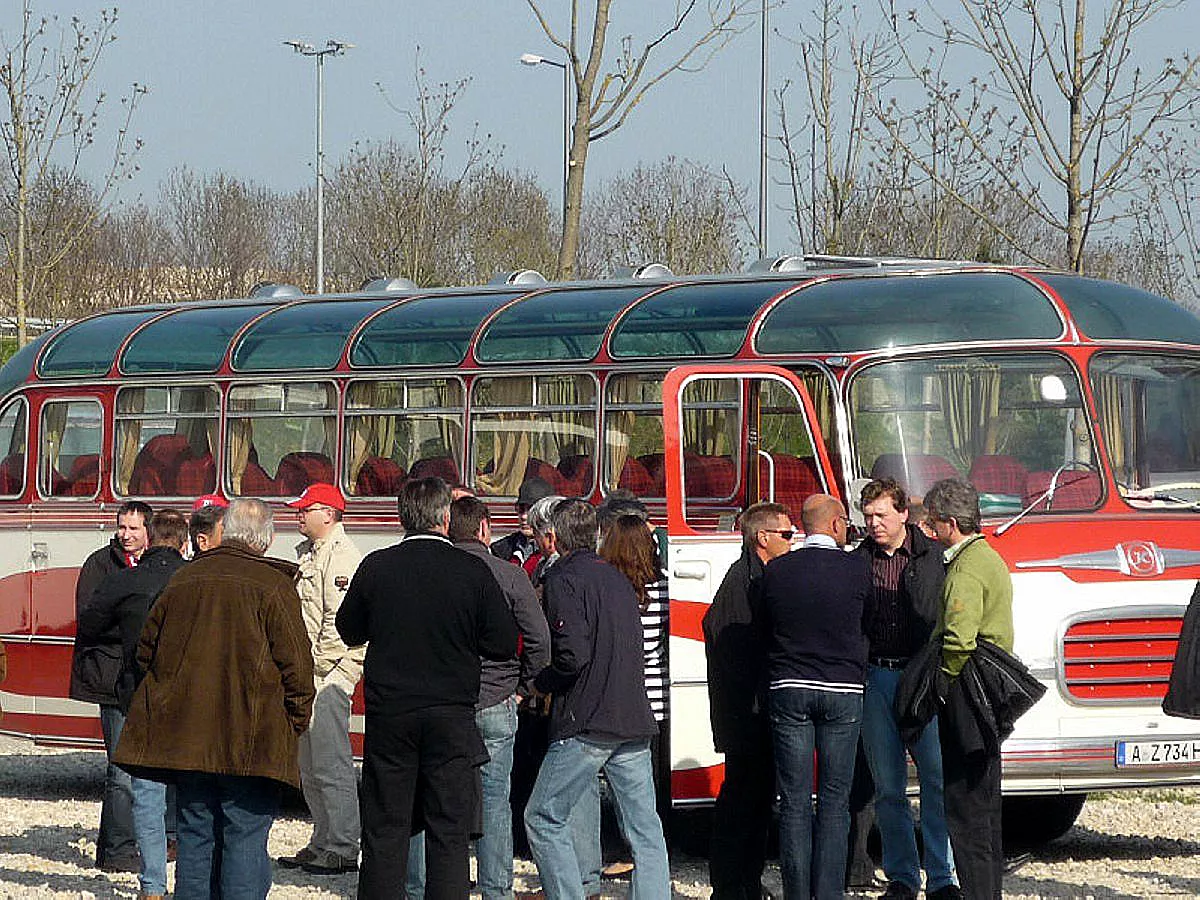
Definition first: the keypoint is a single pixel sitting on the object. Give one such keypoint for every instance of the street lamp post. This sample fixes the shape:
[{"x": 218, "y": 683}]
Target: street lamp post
[
  {"x": 532, "y": 59},
  {"x": 762, "y": 139},
  {"x": 331, "y": 48}
]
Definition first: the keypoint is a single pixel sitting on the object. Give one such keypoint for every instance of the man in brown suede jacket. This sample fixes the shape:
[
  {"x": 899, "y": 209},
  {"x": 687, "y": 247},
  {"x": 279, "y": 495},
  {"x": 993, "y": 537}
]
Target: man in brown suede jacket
[{"x": 227, "y": 688}]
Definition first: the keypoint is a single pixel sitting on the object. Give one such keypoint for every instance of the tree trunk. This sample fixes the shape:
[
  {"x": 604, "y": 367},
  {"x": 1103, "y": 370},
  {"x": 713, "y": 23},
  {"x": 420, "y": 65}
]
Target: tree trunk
[
  {"x": 577, "y": 161},
  {"x": 1075, "y": 148}
]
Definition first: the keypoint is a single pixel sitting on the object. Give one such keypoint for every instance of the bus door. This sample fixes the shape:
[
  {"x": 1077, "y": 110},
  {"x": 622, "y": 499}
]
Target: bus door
[{"x": 733, "y": 435}]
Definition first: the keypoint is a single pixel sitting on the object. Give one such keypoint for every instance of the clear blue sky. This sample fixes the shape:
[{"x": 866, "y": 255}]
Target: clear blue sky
[{"x": 225, "y": 94}]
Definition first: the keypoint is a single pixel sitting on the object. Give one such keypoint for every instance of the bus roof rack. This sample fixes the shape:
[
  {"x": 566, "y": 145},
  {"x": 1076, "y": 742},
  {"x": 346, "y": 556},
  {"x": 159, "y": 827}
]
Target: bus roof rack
[
  {"x": 379, "y": 284},
  {"x": 519, "y": 276},
  {"x": 648, "y": 270},
  {"x": 833, "y": 261},
  {"x": 274, "y": 290},
  {"x": 768, "y": 264}
]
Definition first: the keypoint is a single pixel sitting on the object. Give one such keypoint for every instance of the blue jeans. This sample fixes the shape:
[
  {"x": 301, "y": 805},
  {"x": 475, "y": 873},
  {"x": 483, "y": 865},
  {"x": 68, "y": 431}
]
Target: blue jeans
[
  {"x": 889, "y": 769},
  {"x": 813, "y": 859},
  {"x": 116, "y": 842},
  {"x": 494, "y": 849},
  {"x": 224, "y": 821},
  {"x": 414, "y": 882},
  {"x": 567, "y": 774},
  {"x": 149, "y": 824}
]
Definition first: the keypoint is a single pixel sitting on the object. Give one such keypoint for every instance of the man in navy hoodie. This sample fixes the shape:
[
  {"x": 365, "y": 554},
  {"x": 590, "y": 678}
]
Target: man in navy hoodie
[
  {"x": 813, "y": 600},
  {"x": 600, "y": 716}
]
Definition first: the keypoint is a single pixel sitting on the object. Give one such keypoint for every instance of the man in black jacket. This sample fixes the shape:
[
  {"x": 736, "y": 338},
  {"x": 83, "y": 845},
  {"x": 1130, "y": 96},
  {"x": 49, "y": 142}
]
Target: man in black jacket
[
  {"x": 501, "y": 683},
  {"x": 428, "y": 612},
  {"x": 123, "y": 599},
  {"x": 95, "y": 665},
  {"x": 907, "y": 573},
  {"x": 734, "y": 650},
  {"x": 600, "y": 717},
  {"x": 813, "y": 601}
]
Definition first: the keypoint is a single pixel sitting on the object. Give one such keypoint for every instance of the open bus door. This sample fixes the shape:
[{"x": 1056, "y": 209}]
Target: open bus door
[{"x": 762, "y": 418}]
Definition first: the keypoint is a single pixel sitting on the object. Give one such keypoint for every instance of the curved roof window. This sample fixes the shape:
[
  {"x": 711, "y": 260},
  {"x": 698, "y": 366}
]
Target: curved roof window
[
  {"x": 555, "y": 325},
  {"x": 1104, "y": 310},
  {"x": 190, "y": 340},
  {"x": 87, "y": 347},
  {"x": 693, "y": 319},
  {"x": 851, "y": 314},
  {"x": 425, "y": 331},
  {"x": 19, "y": 365},
  {"x": 302, "y": 335}
]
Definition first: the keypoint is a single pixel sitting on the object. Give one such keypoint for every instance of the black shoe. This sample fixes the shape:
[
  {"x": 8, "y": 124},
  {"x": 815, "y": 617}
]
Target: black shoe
[
  {"x": 947, "y": 892},
  {"x": 898, "y": 890},
  {"x": 121, "y": 864},
  {"x": 329, "y": 863},
  {"x": 1012, "y": 863},
  {"x": 295, "y": 862}
]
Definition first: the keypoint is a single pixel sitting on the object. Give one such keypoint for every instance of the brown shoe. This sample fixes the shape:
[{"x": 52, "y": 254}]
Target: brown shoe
[
  {"x": 295, "y": 862},
  {"x": 150, "y": 897}
]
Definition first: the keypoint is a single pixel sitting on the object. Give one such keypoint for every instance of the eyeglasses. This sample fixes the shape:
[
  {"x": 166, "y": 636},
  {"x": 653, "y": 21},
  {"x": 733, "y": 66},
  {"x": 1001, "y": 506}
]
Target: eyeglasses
[
  {"x": 308, "y": 509},
  {"x": 786, "y": 533}
]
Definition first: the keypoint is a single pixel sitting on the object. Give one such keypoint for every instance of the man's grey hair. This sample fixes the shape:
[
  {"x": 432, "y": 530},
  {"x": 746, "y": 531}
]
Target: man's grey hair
[
  {"x": 539, "y": 514},
  {"x": 574, "y": 524},
  {"x": 424, "y": 504},
  {"x": 760, "y": 516},
  {"x": 251, "y": 522},
  {"x": 953, "y": 498}
]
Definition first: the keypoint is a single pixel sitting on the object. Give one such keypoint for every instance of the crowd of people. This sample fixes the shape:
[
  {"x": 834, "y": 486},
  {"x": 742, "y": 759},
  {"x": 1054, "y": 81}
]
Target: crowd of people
[{"x": 510, "y": 675}]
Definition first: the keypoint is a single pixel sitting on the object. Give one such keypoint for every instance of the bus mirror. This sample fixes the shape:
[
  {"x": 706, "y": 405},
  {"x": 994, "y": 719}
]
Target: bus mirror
[
  {"x": 1053, "y": 388},
  {"x": 853, "y": 508}
]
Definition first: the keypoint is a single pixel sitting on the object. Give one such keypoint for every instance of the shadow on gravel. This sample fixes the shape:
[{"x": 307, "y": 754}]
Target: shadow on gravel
[
  {"x": 62, "y": 776},
  {"x": 53, "y": 842},
  {"x": 343, "y": 886},
  {"x": 1084, "y": 845},
  {"x": 61, "y": 883}
]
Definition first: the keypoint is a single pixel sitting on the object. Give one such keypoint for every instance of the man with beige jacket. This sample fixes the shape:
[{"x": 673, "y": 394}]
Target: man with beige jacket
[{"x": 328, "y": 560}]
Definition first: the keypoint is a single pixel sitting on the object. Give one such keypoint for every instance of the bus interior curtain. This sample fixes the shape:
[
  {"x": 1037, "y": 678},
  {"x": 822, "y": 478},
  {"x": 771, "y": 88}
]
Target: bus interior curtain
[
  {"x": 241, "y": 437},
  {"x": 619, "y": 424},
  {"x": 566, "y": 428},
  {"x": 129, "y": 438},
  {"x": 1114, "y": 396},
  {"x": 510, "y": 441},
  {"x": 821, "y": 396},
  {"x": 970, "y": 401},
  {"x": 54, "y": 424},
  {"x": 706, "y": 431}
]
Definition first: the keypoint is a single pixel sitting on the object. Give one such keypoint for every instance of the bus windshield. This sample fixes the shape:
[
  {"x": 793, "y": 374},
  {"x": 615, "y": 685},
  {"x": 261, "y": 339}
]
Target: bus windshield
[
  {"x": 1150, "y": 412},
  {"x": 1011, "y": 424}
]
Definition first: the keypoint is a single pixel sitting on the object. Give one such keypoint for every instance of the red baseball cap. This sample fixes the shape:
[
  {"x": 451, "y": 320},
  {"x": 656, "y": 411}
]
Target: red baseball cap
[
  {"x": 319, "y": 494},
  {"x": 209, "y": 500}
]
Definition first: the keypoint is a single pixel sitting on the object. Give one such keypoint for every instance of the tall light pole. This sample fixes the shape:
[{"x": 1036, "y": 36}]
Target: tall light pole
[
  {"x": 762, "y": 140},
  {"x": 532, "y": 59},
  {"x": 331, "y": 48}
]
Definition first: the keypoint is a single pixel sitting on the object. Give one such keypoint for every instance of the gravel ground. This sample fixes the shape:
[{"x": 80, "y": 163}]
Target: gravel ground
[{"x": 1142, "y": 844}]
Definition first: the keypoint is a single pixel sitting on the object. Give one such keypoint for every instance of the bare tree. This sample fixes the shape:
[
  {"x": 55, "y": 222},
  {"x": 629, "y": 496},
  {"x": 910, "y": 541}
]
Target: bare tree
[
  {"x": 53, "y": 121},
  {"x": 603, "y": 102},
  {"x": 133, "y": 252},
  {"x": 674, "y": 212},
  {"x": 1075, "y": 105}
]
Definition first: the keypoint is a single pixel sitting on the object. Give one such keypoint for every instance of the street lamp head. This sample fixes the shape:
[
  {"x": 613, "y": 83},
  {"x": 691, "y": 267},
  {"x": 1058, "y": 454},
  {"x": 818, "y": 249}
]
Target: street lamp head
[
  {"x": 531, "y": 59},
  {"x": 338, "y": 47},
  {"x": 300, "y": 46}
]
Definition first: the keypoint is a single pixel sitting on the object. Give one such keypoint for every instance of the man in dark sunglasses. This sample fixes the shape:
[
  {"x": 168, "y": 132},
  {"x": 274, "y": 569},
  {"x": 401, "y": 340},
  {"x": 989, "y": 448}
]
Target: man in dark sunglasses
[{"x": 739, "y": 723}]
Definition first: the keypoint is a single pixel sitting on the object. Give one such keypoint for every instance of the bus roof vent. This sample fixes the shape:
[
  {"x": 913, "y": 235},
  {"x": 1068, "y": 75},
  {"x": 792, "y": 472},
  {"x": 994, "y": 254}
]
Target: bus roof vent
[
  {"x": 649, "y": 270},
  {"x": 768, "y": 264},
  {"x": 380, "y": 284},
  {"x": 519, "y": 276},
  {"x": 274, "y": 290}
]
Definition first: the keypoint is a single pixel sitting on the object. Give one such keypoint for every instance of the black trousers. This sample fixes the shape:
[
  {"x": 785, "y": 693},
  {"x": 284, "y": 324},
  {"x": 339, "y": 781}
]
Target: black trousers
[
  {"x": 972, "y": 796},
  {"x": 741, "y": 823},
  {"x": 426, "y": 759}
]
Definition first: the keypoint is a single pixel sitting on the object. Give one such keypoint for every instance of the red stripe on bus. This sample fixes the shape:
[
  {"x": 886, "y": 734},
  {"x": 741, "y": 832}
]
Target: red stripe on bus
[
  {"x": 686, "y": 619},
  {"x": 697, "y": 784}
]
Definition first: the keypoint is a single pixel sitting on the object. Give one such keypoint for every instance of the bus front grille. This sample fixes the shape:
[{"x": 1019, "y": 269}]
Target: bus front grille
[{"x": 1120, "y": 659}]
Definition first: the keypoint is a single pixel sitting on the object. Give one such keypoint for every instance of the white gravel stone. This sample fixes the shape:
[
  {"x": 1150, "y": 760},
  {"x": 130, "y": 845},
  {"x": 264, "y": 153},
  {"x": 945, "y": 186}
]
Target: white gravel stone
[{"x": 1139, "y": 844}]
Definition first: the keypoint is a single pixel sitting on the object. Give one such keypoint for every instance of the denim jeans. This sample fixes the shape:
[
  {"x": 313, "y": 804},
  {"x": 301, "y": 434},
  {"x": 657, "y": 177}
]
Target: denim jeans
[
  {"x": 889, "y": 769},
  {"x": 224, "y": 821},
  {"x": 414, "y": 881},
  {"x": 813, "y": 858},
  {"x": 568, "y": 773},
  {"x": 149, "y": 824},
  {"x": 585, "y": 838},
  {"x": 116, "y": 842},
  {"x": 494, "y": 849}
]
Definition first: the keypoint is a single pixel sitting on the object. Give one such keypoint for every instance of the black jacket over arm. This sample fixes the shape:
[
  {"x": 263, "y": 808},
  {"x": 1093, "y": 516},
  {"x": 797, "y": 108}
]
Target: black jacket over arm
[
  {"x": 735, "y": 651},
  {"x": 1183, "y": 692},
  {"x": 429, "y": 612},
  {"x": 597, "y": 667}
]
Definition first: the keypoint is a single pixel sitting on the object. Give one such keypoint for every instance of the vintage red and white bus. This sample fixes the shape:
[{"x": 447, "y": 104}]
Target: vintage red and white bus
[{"x": 1072, "y": 404}]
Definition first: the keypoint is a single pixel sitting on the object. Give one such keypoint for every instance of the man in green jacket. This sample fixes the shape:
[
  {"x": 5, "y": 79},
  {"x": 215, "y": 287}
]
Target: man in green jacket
[{"x": 978, "y": 606}]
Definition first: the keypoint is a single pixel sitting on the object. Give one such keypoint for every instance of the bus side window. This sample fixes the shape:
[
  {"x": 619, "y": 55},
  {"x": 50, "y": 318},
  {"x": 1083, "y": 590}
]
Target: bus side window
[
  {"x": 280, "y": 438},
  {"x": 165, "y": 438},
  {"x": 12, "y": 444},
  {"x": 69, "y": 457}
]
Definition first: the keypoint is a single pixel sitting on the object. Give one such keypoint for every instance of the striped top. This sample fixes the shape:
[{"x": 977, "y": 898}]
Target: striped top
[{"x": 654, "y": 648}]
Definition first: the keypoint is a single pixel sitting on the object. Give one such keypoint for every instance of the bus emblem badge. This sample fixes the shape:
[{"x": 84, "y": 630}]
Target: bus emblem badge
[{"x": 1141, "y": 558}]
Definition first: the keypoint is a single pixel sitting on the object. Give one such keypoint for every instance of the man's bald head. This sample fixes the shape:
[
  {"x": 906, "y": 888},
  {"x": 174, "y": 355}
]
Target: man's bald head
[{"x": 823, "y": 514}]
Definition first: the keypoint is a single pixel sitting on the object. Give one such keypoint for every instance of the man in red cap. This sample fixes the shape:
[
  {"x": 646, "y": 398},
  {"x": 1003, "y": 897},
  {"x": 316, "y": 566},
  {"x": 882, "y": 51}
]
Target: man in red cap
[{"x": 328, "y": 560}]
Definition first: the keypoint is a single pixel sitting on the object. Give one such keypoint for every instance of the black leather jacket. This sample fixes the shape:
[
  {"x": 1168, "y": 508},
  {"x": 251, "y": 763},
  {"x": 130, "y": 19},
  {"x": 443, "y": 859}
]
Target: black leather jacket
[
  {"x": 1183, "y": 692},
  {"x": 921, "y": 585}
]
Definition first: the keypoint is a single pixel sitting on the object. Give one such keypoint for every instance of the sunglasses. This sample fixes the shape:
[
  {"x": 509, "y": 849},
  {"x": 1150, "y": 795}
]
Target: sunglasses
[{"x": 786, "y": 533}]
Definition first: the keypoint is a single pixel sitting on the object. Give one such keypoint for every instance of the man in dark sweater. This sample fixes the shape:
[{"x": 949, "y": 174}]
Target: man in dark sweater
[
  {"x": 95, "y": 666},
  {"x": 907, "y": 573},
  {"x": 813, "y": 600},
  {"x": 501, "y": 683},
  {"x": 600, "y": 717},
  {"x": 734, "y": 651},
  {"x": 428, "y": 612},
  {"x": 123, "y": 600}
]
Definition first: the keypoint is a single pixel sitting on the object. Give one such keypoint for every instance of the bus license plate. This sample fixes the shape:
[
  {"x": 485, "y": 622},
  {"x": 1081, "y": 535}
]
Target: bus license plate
[{"x": 1158, "y": 753}]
